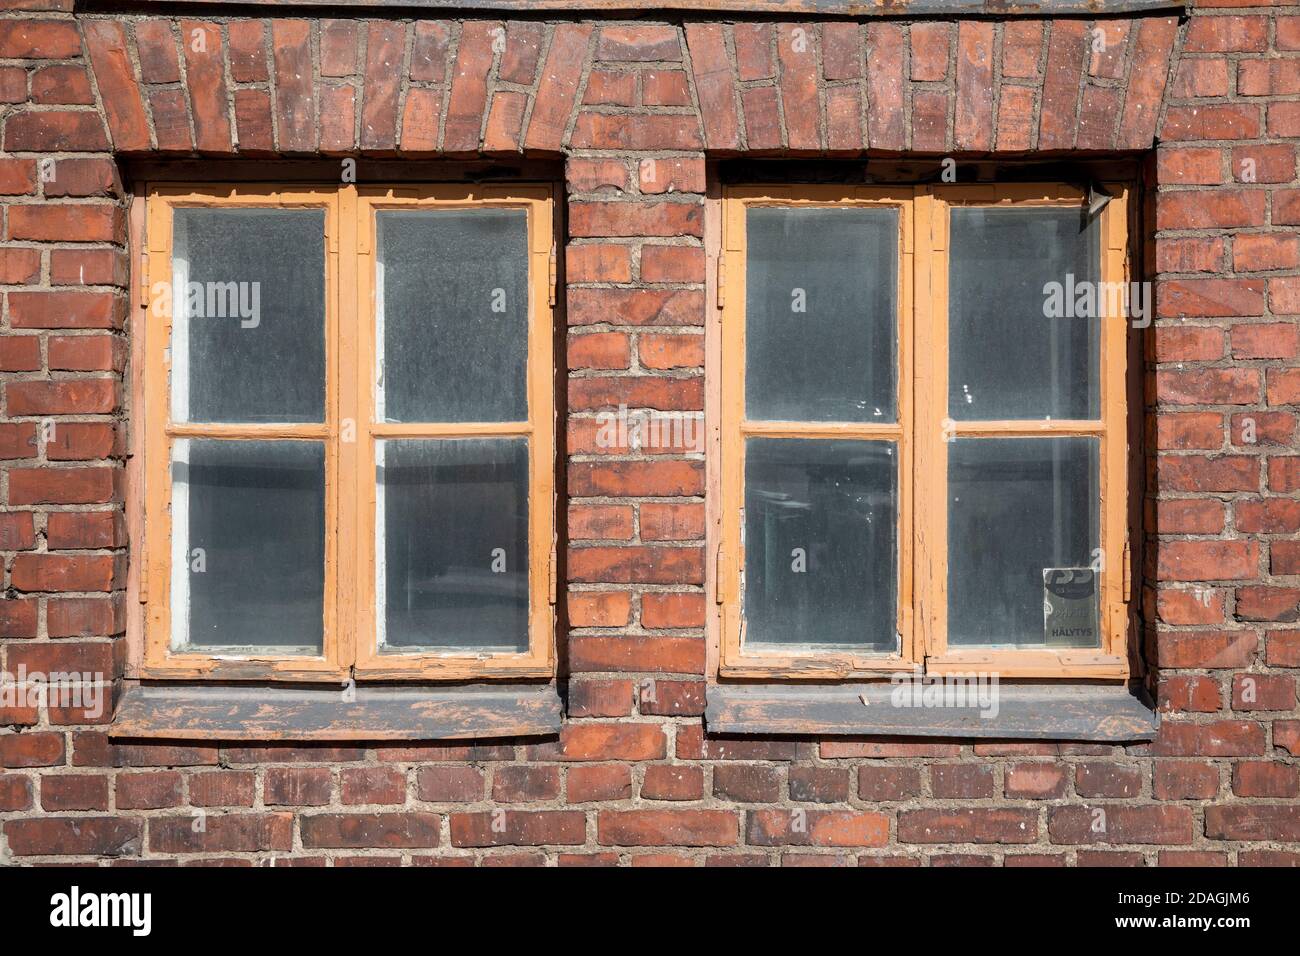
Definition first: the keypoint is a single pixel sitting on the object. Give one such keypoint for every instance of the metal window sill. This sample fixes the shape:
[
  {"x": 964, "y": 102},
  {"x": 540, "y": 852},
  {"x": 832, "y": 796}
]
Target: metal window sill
[
  {"x": 1083, "y": 712},
  {"x": 476, "y": 712}
]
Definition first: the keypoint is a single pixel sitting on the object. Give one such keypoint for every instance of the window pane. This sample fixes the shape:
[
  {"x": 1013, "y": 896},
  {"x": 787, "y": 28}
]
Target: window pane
[
  {"x": 249, "y": 544},
  {"x": 821, "y": 314},
  {"x": 249, "y": 315},
  {"x": 820, "y": 543},
  {"x": 1018, "y": 507},
  {"x": 453, "y": 526},
  {"x": 452, "y": 306},
  {"x": 1013, "y": 355}
]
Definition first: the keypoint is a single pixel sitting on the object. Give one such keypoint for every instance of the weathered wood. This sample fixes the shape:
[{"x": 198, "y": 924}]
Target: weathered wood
[
  {"x": 374, "y": 713},
  {"x": 854, "y": 8},
  {"x": 1037, "y": 712}
]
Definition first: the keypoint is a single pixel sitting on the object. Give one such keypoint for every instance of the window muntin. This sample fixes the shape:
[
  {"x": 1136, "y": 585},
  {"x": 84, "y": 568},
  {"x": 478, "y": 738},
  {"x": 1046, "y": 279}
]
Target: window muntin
[
  {"x": 266, "y": 513},
  {"x": 1003, "y": 476}
]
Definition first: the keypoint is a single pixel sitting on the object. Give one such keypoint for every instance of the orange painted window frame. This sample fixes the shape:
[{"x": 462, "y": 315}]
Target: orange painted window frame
[
  {"x": 922, "y": 433},
  {"x": 349, "y": 647}
]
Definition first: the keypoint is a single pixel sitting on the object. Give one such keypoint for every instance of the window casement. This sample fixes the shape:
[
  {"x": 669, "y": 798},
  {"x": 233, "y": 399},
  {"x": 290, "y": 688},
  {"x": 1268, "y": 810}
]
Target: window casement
[
  {"x": 349, "y": 433},
  {"x": 924, "y": 446}
]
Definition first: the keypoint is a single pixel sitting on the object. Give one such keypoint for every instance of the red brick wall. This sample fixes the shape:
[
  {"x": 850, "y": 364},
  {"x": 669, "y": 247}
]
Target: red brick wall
[{"x": 633, "y": 779}]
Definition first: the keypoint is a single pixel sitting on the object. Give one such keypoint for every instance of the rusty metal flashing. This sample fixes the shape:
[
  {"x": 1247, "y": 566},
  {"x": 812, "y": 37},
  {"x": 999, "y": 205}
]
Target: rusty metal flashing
[
  {"x": 1106, "y": 713},
  {"x": 474, "y": 712},
  {"x": 677, "y": 8}
]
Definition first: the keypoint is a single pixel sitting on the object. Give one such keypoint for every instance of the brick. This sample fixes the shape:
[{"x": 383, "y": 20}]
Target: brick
[
  {"x": 887, "y": 783},
  {"x": 819, "y": 784},
  {"x": 797, "y": 81},
  {"x": 254, "y": 133},
  {"x": 957, "y": 782},
  {"x": 598, "y": 262},
  {"x": 1227, "y": 34},
  {"x": 974, "y": 122},
  {"x": 1120, "y": 824},
  {"x": 55, "y": 130},
  {"x": 1195, "y": 606},
  {"x": 558, "y": 87},
  {"x": 599, "y": 609},
  {"x": 50, "y": 572},
  {"x": 671, "y": 655},
  {"x": 84, "y": 397},
  {"x": 841, "y": 49},
  {"x": 667, "y": 782},
  {"x": 1223, "y": 738},
  {"x": 1263, "y": 692},
  {"x": 666, "y": 828},
  {"x": 83, "y": 178},
  {"x": 338, "y": 47},
  {"x": 672, "y": 698},
  {"x": 593, "y": 742},
  {"x": 1209, "y": 649},
  {"x": 525, "y": 784},
  {"x": 1190, "y": 166},
  {"x": 429, "y": 51},
  {"x": 248, "y": 51},
  {"x": 1197, "y": 473},
  {"x": 449, "y": 784},
  {"x": 610, "y": 782},
  {"x": 638, "y": 43},
  {"x": 66, "y": 530},
  {"x": 1257, "y": 822},
  {"x": 1147, "y": 76},
  {"x": 753, "y": 43},
  {"x": 156, "y": 48},
  {"x": 205, "y": 77},
  {"x": 1228, "y": 121},
  {"x": 1107, "y": 780},
  {"x": 66, "y": 223},
  {"x": 519, "y": 828},
  {"x": 885, "y": 81},
  {"x": 148, "y": 791},
  {"x": 40, "y": 40},
  {"x": 1200, "y": 78},
  {"x": 1022, "y": 43},
  {"x": 1184, "y": 781},
  {"x": 295, "y": 101},
  {"x": 74, "y": 836},
  {"x": 1272, "y": 340},
  {"x": 714, "y": 85},
  {"x": 973, "y": 825},
  {"x": 64, "y": 486},
  {"x": 599, "y": 219},
  {"x": 930, "y": 50},
  {"x": 1036, "y": 781},
  {"x": 385, "y": 48},
  {"x": 67, "y": 85},
  {"x": 1260, "y": 779},
  {"x": 746, "y": 783},
  {"x": 600, "y": 698},
  {"x": 672, "y": 263},
  {"x": 65, "y": 310}
]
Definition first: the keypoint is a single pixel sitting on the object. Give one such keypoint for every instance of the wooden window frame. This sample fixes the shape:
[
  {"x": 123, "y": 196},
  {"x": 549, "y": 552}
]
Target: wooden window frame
[
  {"x": 349, "y": 645},
  {"x": 923, "y": 431}
]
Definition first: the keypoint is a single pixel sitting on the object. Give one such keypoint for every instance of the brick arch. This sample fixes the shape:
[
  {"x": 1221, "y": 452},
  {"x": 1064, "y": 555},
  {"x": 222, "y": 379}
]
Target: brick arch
[{"x": 276, "y": 86}]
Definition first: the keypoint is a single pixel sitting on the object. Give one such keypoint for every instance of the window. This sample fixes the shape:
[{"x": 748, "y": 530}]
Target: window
[
  {"x": 924, "y": 445},
  {"x": 349, "y": 447}
]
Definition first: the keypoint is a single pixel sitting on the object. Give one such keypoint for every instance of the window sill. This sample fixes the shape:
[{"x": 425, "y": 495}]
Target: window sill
[
  {"x": 1110, "y": 714},
  {"x": 187, "y": 712}
]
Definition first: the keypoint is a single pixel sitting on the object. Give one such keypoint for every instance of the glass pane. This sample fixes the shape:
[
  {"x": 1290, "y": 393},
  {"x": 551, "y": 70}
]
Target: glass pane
[
  {"x": 249, "y": 315},
  {"x": 1020, "y": 511},
  {"x": 821, "y": 314},
  {"x": 249, "y": 544},
  {"x": 820, "y": 543},
  {"x": 452, "y": 307},
  {"x": 453, "y": 526},
  {"x": 1019, "y": 347}
]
